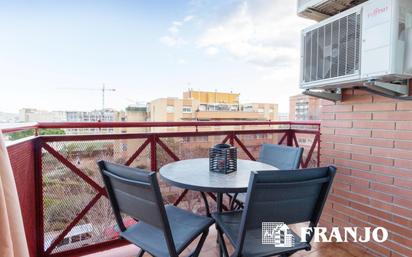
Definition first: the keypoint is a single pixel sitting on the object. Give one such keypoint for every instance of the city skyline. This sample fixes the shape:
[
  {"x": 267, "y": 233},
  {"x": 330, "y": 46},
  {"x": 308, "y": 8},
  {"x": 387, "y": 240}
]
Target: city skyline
[{"x": 143, "y": 48}]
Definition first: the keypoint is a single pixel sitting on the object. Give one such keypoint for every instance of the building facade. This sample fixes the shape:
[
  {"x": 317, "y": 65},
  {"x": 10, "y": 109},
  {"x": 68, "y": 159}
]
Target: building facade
[
  {"x": 303, "y": 107},
  {"x": 209, "y": 106}
]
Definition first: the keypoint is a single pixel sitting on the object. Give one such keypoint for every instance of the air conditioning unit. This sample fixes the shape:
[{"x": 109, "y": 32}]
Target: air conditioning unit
[
  {"x": 371, "y": 42},
  {"x": 321, "y": 9}
]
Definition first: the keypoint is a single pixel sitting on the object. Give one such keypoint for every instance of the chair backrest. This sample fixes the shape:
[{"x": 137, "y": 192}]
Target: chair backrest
[
  {"x": 291, "y": 196},
  {"x": 135, "y": 192},
  {"x": 280, "y": 156}
]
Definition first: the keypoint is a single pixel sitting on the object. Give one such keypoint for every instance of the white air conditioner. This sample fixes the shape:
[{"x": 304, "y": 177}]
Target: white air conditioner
[{"x": 369, "y": 42}]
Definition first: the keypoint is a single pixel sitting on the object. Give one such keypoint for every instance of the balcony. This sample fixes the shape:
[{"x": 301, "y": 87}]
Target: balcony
[{"x": 59, "y": 184}]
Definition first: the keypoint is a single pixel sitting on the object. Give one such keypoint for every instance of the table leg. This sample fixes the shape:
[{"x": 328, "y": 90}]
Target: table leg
[
  {"x": 206, "y": 204},
  {"x": 219, "y": 209},
  {"x": 219, "y": 201}
]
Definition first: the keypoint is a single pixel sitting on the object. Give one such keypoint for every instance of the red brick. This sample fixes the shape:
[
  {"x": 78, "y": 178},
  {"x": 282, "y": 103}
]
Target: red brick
[
  {"x": 371, "y": 193},
  {"x": 372, "y": 176},
  {"x": 370, "y": 210},
  {"x": 337, "y": 154},
  {"x": 377, "y": 249},
  {"x": 354, "y": 116},
  {"x": 352, "y": 196},
  {"x": 326, "y": 146},
  {"x": 374, "y": 124},
  {"x": 336, "y": 138},
  {"x": 359, "y": 223},
  {"x": 407, "y": 222},
  {"x": 401, "y": 240},
  {"x": 404, "y": 125},
  {"x": 394, "y": 153},
  {"x": 404, "y": 106},
  {"x": 372, "y": 159},
  {"x": 403, "y": 182},
  {"x": 328, "y": 131},
  {"x": 396, "y": 116},
  {"x": 326, "y": 102},
  {"x": 337, "y": 199},
  {"x": 388, "y": 134},
  {"x": 351, "y": 212},
  {"x": 347, "y": 92},
  {"x": 372, "y": 142},
  {"x": 336, "y": 108},
  {"x": 403, "y": 202},
  {"x": 343, "y": 170},
  {"x": 405, "y": 164},
  {"x": 352, "y": 180},
  {"x": 403, "y": 145},
  {"x": 391, "y": 226},
  {"x": 356, "y": 99},
  {"x": 353, "y": 132},
  {"x": 390, "y": 208},
  {"x": 327, "y": 116},
  {"x": 342, "y": 186},
  {"x": 337, "y": 124},
  {"x": 391, "y": 171},
  {"x": 338, "y": 215},
  {"x": 360, "y": 92},
  {"x": 355, "y": 149},
  {"x": 325, "y": 160},
  {"x": 398, "y": 248},
  {"x": 353, "y": 164},
  {"x": 374, "y": 107},
  {"x": 393, "y": 190}
]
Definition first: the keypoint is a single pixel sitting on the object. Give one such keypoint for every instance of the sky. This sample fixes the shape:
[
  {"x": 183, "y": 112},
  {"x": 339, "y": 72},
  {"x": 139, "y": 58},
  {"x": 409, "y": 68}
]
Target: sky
[{"x": 55, "y": 55}]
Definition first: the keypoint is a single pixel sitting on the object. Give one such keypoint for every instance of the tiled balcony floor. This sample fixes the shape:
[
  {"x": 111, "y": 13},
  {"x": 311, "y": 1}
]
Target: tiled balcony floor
[{"x": 210, "y": 249}]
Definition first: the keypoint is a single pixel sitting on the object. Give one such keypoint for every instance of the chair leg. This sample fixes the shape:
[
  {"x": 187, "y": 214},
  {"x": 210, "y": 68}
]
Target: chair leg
[
  {"x": 141, "y": 253},
  {"x": 199, "y": 246},
  {"x": 222, "y": 245}
]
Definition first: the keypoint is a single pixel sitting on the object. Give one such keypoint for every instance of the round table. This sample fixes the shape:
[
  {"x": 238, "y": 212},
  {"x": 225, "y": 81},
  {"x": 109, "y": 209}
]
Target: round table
[{"x": 194, "y": 175}]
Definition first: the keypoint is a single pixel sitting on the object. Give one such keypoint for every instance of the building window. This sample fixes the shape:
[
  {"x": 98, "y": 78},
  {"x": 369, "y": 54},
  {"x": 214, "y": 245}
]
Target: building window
[
  {"x": 170, "y": 109},
  {"x": 202, "y": 107},
  {"x": 260, "y": 110},
  {"x": 187, "y": 109}
]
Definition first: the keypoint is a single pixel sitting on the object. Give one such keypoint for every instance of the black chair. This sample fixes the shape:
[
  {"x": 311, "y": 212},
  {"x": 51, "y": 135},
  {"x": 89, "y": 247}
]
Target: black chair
[
  {"x": 293, "y": 196},
  {"x": 279, "y": 156},
  {"x": 161, "y": 230}
]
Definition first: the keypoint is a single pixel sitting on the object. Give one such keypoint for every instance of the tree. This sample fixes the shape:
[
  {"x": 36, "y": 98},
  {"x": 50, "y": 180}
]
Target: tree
[{"x": 26, "y": 133}]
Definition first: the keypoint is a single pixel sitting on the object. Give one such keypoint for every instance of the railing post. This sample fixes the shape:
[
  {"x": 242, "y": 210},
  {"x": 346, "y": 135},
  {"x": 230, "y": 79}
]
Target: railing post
[
  {"x": 153, "y": 157},
  {"x": 318, "y": 153},
  {"x": 39, "y": 196},
  {"x": 232, "y": 139},
  {"x": 289, "y": 139}
]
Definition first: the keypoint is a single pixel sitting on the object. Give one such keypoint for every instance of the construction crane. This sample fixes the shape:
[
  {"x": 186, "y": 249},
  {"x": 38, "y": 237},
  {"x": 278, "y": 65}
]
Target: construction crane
[{"x": 103, "y": 89}]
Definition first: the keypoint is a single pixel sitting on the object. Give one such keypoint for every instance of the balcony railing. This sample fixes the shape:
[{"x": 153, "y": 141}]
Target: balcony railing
[{"x": 64, "y": 205}]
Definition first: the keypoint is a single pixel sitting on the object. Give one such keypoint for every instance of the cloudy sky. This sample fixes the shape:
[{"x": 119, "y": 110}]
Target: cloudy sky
[{"x": 49, "y": 50}]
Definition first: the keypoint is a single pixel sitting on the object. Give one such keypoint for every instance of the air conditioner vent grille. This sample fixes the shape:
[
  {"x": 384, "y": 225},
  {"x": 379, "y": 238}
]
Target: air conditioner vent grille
[{"x": 332, "y": 50}]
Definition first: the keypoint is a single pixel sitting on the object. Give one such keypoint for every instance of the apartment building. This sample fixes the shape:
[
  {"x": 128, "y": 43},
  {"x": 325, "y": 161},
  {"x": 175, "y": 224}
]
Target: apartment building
[
  {"x": 303, "y": 107},
  {"x": 35, "y": 115},
  {"x": 209, "y": 106}
]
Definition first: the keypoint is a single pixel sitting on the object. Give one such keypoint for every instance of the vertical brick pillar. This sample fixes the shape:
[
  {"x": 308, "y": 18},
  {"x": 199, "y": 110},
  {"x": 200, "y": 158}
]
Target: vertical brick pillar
[{"x": 369, "y": 139}]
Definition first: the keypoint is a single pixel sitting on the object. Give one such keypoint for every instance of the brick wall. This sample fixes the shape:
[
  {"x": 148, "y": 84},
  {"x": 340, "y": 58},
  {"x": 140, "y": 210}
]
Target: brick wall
[{"x": 369, "y": 139}]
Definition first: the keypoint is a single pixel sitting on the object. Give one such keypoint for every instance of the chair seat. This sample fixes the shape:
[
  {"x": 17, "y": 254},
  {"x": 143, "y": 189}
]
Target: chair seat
[
  {"x": 229, "y": 222},
  {"x": 185, "y": 227}
]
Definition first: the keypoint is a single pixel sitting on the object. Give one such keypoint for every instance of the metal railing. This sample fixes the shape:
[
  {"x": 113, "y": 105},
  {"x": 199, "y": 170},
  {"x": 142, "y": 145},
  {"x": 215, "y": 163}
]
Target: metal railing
[{"x": 72, "y": 214}]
